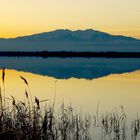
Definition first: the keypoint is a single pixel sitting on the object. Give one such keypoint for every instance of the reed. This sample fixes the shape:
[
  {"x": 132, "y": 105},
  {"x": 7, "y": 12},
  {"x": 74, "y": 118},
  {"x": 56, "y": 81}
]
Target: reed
[{"x": 28, "y": 120}]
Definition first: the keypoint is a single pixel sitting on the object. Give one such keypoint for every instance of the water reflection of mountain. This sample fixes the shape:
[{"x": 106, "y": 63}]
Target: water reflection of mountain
[{"x": 71, "y": 67}]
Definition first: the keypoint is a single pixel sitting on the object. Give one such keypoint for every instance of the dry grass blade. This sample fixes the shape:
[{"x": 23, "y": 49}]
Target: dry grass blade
[
  {"x": 1, "y": 100},
  {"x": 37, "y": 102},
  {"x": 24, "y": 80},
  {"x": 3, "y": 74},
  {"x": 28, "y": 89},
  {"x": 26, "y": 93},
  {"x": 0, "y": 96},
  {"x": 3, "y": 80},
  {"x": 14, "y": 102},
  {"x": 22, "y": 103},
  {"x": 43, "y": 100}
]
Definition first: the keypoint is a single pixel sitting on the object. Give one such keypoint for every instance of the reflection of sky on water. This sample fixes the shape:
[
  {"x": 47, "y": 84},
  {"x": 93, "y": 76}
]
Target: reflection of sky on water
[
  {"x": 71, "y": 67},
  {"x": 111, "y": 91}
]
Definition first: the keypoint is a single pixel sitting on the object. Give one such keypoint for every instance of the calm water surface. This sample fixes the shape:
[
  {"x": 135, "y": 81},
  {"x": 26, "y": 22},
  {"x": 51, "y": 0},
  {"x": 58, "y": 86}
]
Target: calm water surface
[
  {"x": 110, "y": 92},
  {"x": 110, "y": 88},
  {"x": 87, "y": 68}
]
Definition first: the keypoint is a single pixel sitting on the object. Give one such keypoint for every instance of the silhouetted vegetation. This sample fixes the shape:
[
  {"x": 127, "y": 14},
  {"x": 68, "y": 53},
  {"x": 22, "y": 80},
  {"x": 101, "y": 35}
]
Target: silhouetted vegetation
[
  {"x": 29, "y": 120},
  {"x": 72, "y": 54}
]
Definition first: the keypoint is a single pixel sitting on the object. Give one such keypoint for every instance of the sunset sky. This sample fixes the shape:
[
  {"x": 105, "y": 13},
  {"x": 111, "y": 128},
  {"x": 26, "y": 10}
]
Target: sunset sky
[{"x": 24, "y": 17}]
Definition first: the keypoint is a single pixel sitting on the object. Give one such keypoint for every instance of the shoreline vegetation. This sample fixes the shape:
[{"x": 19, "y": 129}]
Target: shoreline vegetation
[
  {"x": 33, "y": 119},
  {"x": 65, "y": 54}
]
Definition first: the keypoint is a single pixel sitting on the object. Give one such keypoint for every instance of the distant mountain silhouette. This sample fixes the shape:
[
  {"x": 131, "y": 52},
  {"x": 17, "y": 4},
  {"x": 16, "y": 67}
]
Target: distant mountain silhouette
[{"x": 67, "y": 40}]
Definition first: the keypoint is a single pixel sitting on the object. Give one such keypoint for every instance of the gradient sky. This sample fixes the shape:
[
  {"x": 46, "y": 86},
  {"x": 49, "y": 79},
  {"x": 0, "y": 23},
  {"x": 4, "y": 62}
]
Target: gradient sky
[{"x": 24, "y": 17}]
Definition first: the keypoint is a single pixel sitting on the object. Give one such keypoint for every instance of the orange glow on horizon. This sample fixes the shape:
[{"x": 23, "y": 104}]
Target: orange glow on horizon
[
  {"x": 19, "y": 18},
  {"x": 131, "y": 33}
]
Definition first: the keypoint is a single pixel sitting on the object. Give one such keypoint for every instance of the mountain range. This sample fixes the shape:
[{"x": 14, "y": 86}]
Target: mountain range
[{"x": 67, "y": 40}]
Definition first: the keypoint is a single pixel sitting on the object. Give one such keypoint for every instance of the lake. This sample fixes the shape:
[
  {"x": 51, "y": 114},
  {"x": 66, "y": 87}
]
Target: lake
[
  {"x": 84, "y": 82},
  {"x": 63, "y": 68}
]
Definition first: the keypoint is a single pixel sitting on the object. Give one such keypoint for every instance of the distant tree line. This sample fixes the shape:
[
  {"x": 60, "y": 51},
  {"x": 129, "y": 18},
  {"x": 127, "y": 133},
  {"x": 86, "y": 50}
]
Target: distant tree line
[{"x": 70, "y": 54}]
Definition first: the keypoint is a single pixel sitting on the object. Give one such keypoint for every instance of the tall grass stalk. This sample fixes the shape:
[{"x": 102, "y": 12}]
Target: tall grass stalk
[{"x": 3, "y": 81}]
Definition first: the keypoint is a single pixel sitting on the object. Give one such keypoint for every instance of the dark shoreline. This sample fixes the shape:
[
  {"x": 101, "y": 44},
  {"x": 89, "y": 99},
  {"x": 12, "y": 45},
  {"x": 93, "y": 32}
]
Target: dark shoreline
[{"x": 64, "y": 54}]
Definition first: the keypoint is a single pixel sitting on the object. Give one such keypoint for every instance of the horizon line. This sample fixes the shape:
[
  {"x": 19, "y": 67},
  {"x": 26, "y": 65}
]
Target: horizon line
[{"x": 26, "y": 35}]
